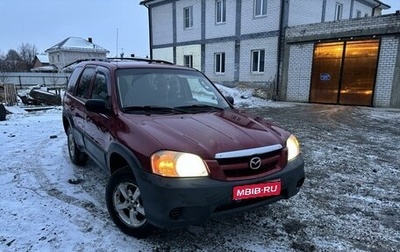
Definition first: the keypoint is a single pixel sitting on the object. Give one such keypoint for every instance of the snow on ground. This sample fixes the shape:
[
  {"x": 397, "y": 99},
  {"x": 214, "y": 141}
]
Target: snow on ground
[{"x": 349, "y": 201}]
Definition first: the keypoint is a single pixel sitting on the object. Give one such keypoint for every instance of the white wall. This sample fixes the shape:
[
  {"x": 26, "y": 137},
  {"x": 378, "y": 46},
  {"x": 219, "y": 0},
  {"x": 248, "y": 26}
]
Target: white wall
[
  {"x": 299, "y": 15},
  {"x": 229, "y": 49},
  {"x": 162, "y": 32},
  {"x": 194, "y": 50},
  {"x": 164, "y": 54},
  {"x": 188, "y": 34},
  {"x": 270, "y": 47}
]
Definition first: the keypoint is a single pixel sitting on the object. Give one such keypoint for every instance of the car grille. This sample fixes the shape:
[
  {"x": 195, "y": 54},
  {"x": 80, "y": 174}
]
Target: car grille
[{"x": 238, "y": 168}]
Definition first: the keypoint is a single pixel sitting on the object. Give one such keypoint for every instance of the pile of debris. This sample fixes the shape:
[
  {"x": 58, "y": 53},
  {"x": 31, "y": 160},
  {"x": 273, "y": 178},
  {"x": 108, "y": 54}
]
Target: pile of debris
[{"x": 41, "y": 95}]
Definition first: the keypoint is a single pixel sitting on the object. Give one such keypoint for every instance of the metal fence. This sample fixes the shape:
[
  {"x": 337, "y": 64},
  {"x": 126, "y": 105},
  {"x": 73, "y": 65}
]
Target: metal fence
[{"x": 24, "y": 79}]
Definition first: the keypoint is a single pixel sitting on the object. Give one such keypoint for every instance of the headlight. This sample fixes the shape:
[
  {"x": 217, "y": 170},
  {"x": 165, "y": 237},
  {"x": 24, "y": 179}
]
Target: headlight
[
  {"x": 293, "y": 147},
  {"x": 178, "y": 164}
]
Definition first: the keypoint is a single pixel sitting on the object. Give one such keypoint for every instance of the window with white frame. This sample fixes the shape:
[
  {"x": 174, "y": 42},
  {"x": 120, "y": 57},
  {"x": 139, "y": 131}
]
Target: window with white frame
[
  {"x": 219, "y": 59},
  {"x": 338, "y": 11},
  {"x": 188, "y": 60},
  {"x": 260, "y": 8},
  {"x": 358, "y": 13},
  {"x": 188, "y": 17},
  {"x": 220, "y": 11},
  {"x": 257, "y": 61}
]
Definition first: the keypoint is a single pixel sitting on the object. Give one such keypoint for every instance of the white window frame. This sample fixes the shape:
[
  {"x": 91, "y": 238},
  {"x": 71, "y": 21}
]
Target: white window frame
[
  {"x": 338, "y": 11},
  {"x": 220, "y": 11},
  {"x": 358, "y": 13},
  {"x": 188, "y": 17},
  {"x": 260, "y": 61},
  {"x": 188, "y": 60},
  {"x": 219, "y": 63},
  {"x": 262, "y": 10}
]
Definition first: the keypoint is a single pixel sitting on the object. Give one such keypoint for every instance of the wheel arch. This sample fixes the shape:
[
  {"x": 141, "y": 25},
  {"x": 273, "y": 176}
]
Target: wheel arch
[{"x": 119, "y": 156}]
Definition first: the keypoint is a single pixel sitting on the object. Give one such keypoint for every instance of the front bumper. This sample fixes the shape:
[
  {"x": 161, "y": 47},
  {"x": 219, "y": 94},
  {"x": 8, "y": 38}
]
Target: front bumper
[{"x": 179, "y": 202}]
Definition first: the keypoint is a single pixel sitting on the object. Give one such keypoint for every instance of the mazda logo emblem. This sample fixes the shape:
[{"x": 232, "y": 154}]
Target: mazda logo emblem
[{"x": 255, "y": 163}]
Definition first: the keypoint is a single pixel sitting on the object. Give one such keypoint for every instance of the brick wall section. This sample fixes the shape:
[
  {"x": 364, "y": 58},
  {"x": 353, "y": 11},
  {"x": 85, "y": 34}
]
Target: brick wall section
[
  {"x": 189, "y": 34},
  {"x": 226, "y": 29},
  {"x": 270, "y": 47},
  {"x": 299, "y": 74},
  {"x": 296, "y": 12},
  {"x": 229, "y": 49},
  {"x": 368, "y": 26},
  {"x": 386, "y": 70},
  {"x": 270, "y": 22},
  {"x": 162, "y": 30}
]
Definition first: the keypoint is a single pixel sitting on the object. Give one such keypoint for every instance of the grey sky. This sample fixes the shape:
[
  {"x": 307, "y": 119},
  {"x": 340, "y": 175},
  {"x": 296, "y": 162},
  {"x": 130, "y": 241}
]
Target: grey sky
[{"x": 44, "y": 23}]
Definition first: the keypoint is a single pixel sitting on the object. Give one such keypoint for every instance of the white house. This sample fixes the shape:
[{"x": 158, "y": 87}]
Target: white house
[{"x": 73, "y": 48}]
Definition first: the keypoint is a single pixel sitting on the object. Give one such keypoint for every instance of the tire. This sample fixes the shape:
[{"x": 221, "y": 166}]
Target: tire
[
  {"x": 77, "y": 157},
  {"x": 125, "y": 206},
  {"x": 2, "y": 112}
]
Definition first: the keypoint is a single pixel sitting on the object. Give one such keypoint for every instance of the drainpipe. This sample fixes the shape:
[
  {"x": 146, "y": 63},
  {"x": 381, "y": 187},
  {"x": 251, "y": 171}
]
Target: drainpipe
[
  {"x": 281, "y": 34},
  {"x": 144, "y": 3}
]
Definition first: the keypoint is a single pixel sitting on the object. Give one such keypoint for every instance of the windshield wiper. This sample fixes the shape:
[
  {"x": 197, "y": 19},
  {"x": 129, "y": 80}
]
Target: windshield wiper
[
  {"x": 200, "y": 107},
  {"x": 151, "y": 108}
]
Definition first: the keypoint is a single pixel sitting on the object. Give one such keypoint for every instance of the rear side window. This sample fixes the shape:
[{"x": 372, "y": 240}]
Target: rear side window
[
  {"x": 84, "y": 83},
  {"x": 73, "y": 79}
]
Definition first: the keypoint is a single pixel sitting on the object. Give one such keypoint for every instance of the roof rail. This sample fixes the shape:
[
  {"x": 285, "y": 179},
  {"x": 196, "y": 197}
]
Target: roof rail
[
  {"x": 71, "y": 66},
  {"x": 144, "y": 60}
]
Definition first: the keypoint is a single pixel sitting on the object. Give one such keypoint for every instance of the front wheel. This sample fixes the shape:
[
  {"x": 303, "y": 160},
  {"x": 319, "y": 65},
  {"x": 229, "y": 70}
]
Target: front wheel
[{"x": 124, "y": 203}]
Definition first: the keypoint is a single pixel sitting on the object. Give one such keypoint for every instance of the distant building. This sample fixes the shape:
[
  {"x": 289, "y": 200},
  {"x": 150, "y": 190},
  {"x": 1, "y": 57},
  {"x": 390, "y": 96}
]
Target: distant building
[
  {"x": 72, "y": 49},
  {"x": 273, "y": 44},
  {"x": 41, "y": 64}
]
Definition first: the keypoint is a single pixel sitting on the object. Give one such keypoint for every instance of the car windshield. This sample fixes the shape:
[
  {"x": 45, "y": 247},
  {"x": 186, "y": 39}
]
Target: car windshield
[{"x": 158, "y": 88}]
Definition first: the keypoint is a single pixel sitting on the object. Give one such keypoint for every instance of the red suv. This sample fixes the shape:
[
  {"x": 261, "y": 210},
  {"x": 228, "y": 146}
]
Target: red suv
[{"x": 177, "y": 150}]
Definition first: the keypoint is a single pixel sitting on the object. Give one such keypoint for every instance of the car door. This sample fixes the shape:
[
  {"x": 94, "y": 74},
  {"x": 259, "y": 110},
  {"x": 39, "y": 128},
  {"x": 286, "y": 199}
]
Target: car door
[
  {"x": 97, "y": 124},
  {"x": 78, "y": 109}
]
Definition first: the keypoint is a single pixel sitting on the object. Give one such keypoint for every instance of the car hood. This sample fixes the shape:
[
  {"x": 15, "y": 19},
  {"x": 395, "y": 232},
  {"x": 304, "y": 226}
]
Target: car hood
[{"x": 206, "y": 134}]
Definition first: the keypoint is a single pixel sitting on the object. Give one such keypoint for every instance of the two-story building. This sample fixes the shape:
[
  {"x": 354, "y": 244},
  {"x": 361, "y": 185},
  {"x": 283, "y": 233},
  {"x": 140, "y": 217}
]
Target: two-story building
[
  {"x": 72, "y": 49},
  {"x": 256, "y": 42}
]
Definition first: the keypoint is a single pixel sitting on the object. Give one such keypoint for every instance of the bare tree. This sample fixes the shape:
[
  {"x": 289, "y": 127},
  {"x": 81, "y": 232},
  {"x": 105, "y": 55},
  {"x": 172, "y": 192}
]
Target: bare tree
[{"x": 27, "y": 53}]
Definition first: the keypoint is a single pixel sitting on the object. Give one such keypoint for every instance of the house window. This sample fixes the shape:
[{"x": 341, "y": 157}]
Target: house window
[
  {"x": 219, "y": 59},
  {"x": 188, "y": 60},
  {"x": 338, "y": 11},
  {"x": 257, "y": 61},
  {"x": 220, "y": 8},
  {"x": 358, "y": 13},
  {"x": 58, "y": 58},
  {"x": 188, "y": 17},
  {"x": 260, "y": 8}
]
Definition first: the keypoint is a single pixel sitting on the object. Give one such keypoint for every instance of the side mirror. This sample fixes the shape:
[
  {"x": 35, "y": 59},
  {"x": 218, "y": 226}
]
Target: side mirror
[
  {"x": 97, "y": 106},
  {"x": 230, "y": 100}
]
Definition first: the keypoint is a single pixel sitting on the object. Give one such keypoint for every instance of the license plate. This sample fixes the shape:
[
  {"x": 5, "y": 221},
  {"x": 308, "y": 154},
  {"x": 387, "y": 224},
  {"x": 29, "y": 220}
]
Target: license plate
[{"x": 267, "y": 189}]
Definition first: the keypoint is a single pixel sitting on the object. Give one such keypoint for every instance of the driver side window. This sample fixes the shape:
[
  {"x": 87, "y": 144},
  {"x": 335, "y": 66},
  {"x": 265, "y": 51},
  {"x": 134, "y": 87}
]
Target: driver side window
[{"x": 100, "y": 90}]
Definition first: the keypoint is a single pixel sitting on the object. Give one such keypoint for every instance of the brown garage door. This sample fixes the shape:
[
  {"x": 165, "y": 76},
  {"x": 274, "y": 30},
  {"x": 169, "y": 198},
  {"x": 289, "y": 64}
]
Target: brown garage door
[{"x": 344, "y": 72}]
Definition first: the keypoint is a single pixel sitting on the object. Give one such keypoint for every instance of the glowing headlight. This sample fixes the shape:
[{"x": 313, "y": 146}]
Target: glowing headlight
[
  {"x": 293, "y": 147},
  {"x": 178, "y": 164}
]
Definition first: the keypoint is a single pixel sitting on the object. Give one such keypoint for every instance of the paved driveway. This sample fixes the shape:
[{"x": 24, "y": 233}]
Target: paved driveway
[{"x": 349, "y": 202}]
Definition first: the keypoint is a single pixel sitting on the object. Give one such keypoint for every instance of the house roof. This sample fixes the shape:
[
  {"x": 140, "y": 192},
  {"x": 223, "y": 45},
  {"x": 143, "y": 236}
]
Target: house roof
[
  {"x": 43, "y": 58},
  {"x": 376, "y": 3},
  {"x": 77, "y": 44}
]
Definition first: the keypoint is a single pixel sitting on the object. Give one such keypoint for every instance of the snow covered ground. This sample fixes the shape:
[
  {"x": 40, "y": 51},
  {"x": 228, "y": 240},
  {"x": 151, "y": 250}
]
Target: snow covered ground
[{"x": 349, "y": 202}]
